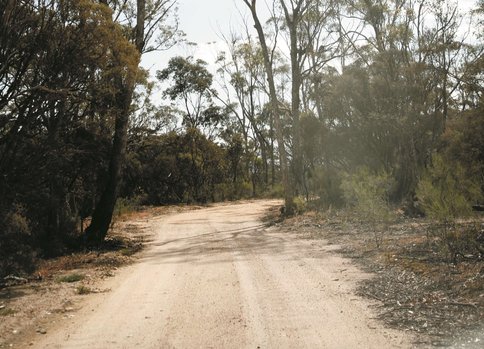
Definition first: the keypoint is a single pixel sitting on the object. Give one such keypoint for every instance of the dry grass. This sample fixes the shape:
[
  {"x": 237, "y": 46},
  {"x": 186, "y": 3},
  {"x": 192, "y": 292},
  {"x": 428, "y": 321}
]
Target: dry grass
[
  {"x": 7, "y": 311},
  {"x": 75, "y": 277},
  {"x": 82, "y": 290}
]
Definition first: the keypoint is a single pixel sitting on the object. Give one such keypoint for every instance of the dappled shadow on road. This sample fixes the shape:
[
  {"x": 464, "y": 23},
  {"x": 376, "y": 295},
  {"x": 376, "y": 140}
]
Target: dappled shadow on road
[{"x": 220, "y": 246}]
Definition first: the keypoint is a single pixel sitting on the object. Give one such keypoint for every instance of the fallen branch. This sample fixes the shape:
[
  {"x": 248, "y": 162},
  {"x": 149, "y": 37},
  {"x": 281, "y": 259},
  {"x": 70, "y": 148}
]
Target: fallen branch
[
  {"x": 473, "y": 305},
  {"x": 371, "y": 296}
]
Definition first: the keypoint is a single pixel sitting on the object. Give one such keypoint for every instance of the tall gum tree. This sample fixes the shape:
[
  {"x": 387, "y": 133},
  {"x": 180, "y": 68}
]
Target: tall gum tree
[
  {"x": 276, "y": 110},
  {"x": 144, "y": 22},
  {"x": 293, "y": 13},
  {"x": 246, "y": 74},
  {"x": 409, "y": 51}
]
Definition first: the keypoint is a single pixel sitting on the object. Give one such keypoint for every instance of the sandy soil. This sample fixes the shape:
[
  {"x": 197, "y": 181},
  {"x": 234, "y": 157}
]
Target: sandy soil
[
  {"x": 418, "y": 287},
  {"x": 218, "y": 278}
]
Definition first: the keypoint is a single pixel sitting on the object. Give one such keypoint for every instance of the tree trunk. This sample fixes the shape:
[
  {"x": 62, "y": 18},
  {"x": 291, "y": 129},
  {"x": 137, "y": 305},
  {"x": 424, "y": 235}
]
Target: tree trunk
[
  {"x": 288, "y": 190},
  {"x": 295, "y": 100},
  {"x": 103, "y": 212},
  {"x": 273, "y": 162}
]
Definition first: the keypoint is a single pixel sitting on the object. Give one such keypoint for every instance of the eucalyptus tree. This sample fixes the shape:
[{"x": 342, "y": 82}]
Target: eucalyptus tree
[
  {"x": 312, "y": 43},
  {"x": 191, "y": 83},
  {"x": 406, "y": 56},
  {"x": 275, "y": 106},
  {"x": 61, "y": 62},
  {"x": 314, "y": 46},
  {"x": 243, "y": 74},
  {"x": 146, "y": 25},
  {"x": 293, "y": 11}
]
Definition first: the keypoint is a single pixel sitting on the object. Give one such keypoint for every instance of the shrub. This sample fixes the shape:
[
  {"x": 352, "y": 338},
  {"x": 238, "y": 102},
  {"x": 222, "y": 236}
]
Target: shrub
[
  {"x": 275, "y": 191},
  {"x": 445, "y": 193},
  {"x": 82, "y": 290},
  {"x": 243, "y": 190},
  {"x": 368, "y": 194},
  {"x": 16, "y": 254},
  {"x": 326, "y": 185},
  {"x": 127, "y": 205},
  {"x": 299, "y": 205},
  {"x": 70, "y": 278}
]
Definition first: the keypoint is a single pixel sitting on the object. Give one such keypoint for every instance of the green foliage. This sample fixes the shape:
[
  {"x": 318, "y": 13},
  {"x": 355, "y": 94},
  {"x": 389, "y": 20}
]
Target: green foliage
[
  {"x": 325, "y": 184},
  {"x": 275, "y": 191},
  {"x": 243, "y": 190},
  {"x": 187, "y": 77},
  {"x": 445, "y": 192},
  {"x": 191, "y": 83},
  {"x": 16, "y": 254},
  {"x": 175, "y": 168},
  {"x": 188, "y": 167},
  {"x": 14, "y": 222},
  {"x": 367, "y": 194},
  {"x": 299, "y": 205},
  {"x": 127, "y": 205},
  {"x": 64, "y": 63},
  {"x": 313, "y": 133},
  {"x": 463, "y": 142},
  {"x": 381, "y": 110},
  {"x": 381, "y": 120}
]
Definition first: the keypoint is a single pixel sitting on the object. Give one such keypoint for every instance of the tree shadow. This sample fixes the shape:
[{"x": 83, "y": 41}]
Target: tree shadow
[
  {"x": 209, "y": 247},
  {"x": 12, "y": 292}
]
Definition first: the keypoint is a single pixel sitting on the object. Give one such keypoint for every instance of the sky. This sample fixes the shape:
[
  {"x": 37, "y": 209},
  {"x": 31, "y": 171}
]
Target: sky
[{"x": 204, "y": 21}]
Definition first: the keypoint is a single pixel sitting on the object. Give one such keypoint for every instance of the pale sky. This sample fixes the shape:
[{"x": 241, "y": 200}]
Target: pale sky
[
  {"x": 201, "y": 19},
  {"x": 204, "y": 20}
]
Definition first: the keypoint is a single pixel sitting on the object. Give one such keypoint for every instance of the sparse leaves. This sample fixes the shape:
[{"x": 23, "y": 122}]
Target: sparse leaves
[{"x": 445, "y": 193}]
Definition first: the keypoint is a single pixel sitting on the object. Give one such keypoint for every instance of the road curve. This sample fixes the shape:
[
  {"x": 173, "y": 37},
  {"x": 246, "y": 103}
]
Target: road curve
[{"x": 217, "y": 278}]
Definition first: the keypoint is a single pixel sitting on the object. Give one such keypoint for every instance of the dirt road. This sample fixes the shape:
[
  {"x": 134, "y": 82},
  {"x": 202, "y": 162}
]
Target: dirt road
[{"x": 217, "y": 278}]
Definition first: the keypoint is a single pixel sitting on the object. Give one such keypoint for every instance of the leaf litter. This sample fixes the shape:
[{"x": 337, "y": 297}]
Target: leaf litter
[{"x": 415, "y": 287}]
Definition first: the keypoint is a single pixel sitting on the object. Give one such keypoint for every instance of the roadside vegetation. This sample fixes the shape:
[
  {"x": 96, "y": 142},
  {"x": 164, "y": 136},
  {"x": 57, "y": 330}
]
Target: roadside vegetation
[
  {"x": 30, "y": 305},
  {"x": 421, "y": 280}
]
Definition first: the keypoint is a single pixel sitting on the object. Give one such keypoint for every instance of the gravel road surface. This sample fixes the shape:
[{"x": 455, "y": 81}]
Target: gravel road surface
[{"x": 218, "y": 278}]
